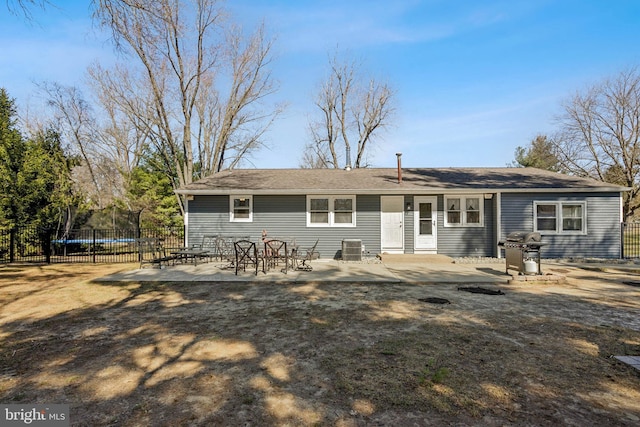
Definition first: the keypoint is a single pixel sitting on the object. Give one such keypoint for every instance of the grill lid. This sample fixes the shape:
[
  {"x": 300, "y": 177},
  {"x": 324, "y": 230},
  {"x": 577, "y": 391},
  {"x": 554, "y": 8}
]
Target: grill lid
[{"x": 524, "y": 237}]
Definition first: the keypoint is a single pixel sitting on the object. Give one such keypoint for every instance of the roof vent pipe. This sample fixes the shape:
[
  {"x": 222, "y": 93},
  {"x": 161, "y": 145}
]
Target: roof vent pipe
[
  {"x": 348, "y": 162},
  {"x": 399, "y": 167}
]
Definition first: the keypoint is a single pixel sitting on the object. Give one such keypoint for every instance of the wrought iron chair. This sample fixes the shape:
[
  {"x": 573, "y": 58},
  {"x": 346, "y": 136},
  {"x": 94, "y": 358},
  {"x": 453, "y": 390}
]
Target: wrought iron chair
[
  {"x": 225, "y": 247},
  {"x": 209, "y": 245},
  {"x": 246, "y": 254},
  {"x": 303, "y": 260},
  {"x": 275, "y": 253},
  {"x": 151, "y": 252}
]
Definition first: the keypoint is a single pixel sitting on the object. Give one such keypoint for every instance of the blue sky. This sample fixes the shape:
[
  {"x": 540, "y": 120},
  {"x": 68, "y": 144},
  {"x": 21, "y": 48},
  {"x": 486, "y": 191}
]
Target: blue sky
[{"x": 473, "y": 79}]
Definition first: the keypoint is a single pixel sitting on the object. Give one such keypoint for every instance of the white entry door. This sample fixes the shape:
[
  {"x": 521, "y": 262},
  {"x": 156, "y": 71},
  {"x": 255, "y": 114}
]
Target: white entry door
[
  {"x": 425, "y": 224},
  {"x": 392, "y": 224}
]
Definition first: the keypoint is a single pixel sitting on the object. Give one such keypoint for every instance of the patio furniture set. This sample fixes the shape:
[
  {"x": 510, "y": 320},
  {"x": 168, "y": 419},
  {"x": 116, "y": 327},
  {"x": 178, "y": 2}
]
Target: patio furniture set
[{"x": 240, "y": 252}]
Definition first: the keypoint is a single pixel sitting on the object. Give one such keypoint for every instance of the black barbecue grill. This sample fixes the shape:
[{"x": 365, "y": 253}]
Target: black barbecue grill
[{"x": 522, "y": 252}]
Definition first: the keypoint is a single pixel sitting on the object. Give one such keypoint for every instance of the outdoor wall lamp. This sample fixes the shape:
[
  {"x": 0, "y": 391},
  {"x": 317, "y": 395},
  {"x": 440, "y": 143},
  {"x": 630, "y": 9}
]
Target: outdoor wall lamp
[{"x": 408, "y": 207}]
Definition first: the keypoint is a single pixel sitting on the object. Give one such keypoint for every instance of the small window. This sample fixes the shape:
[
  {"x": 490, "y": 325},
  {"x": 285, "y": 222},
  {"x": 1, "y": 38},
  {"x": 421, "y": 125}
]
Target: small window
[
  {"x": 241, "y": 209},
  {"x": 571, "y": 217},
  {"x": 319, "y": 211},
  {"x": 343, "y": 211},
  {"x": 560, "y": 217},
  {"x": 547, "y": 218},
  {"x": 331, "y": 211},
  {"x": 473, "y": 210},
  {"x": 464, "y": 211},
  {"x": 453, "y": 212}
]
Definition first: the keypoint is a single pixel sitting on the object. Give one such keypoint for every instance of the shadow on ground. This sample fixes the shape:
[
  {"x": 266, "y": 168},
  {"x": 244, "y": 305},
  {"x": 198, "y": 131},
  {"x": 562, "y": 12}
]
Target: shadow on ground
[{"x": 206, "y": 353}]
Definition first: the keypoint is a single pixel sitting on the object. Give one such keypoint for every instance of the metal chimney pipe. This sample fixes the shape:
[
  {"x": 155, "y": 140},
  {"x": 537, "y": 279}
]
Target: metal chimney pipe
[
  {"x": 348, "y": 165},
  {"x": 399, "y": 167}
]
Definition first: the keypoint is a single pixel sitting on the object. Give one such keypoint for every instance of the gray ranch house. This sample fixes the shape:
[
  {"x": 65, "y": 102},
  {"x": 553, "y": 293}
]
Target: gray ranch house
[{"x": 458, "y": 212}]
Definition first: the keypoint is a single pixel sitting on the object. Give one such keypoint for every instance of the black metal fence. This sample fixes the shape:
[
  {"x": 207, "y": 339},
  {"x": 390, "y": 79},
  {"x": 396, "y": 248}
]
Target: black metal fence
[
  {"x": 31, "y": 244},
  {"x": 630, "y": 240}
]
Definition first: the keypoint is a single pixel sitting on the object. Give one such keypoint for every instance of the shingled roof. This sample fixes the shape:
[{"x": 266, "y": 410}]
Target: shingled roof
[{"x": 385, "y": 181}]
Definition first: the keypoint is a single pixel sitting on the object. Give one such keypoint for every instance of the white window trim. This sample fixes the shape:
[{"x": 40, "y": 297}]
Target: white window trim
[
  {"x": 331, "y": 222},
  {"x": 463, "y": 210},
  {"x": 558, "y": 205},
  {"x": 232, "y": 218}
]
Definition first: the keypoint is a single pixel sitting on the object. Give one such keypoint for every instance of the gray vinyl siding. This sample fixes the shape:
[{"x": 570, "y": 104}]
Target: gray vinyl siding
[
  {"x": 409, "y": 226},
  {"x": 603, "y": 224},
  {"x": 285, "y": 217},
  {"x": 467, "y": 241}
]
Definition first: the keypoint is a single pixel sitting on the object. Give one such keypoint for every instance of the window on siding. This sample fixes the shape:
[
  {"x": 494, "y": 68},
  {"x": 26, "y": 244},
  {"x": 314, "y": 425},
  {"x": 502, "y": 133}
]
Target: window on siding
[
  {"x": 343, "y": 211},
  {"x": 241, "y": 209},
  {"x": 546, "y": 217},
  {"x": 453, "y": 212},
  {"x": 473, "y": 210},
  {"x": 560, "y": 217},
  {"x": 464, "y": 211},
  {"x": 331, "y": 211},
  {"x": 319, "y": 211},
  {"x": 572, "y": 217}
]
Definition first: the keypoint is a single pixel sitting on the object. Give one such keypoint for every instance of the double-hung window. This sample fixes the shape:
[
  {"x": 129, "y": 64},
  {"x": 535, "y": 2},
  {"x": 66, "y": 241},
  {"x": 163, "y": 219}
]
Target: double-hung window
[
  {"x": 241, "y": 208},
  {"x": 331, "y": 211},
  {"x": 463, "y": 211},
  {"x": 560, "y": 217},
  {"x": 319, "y": 211}
]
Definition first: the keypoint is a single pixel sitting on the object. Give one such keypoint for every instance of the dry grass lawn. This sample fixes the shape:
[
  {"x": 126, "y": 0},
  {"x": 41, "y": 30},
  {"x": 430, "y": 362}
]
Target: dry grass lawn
[{"x": 244, "y": 354}]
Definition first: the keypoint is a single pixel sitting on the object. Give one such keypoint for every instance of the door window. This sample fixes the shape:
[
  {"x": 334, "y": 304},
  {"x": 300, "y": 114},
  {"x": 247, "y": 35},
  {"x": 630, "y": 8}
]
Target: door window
[{"x": 426, "y": 223}]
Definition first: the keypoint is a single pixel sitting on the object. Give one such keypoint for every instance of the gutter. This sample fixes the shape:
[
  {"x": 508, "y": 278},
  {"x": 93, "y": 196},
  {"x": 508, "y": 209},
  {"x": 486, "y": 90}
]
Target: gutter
[{"x": 400, "y": 191}]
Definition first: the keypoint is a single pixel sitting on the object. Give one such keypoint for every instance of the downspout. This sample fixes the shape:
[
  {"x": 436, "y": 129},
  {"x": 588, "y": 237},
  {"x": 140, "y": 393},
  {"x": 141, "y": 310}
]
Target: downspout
[
  {"x": 498, "y": 222},
  {"x": 402, "y": 224},
  {"x": 621, "y": 245},
  {"x": 186, "y": 220}
]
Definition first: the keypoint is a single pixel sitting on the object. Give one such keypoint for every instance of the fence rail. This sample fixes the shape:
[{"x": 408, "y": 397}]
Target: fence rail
[{"x": 30, "y": 244}]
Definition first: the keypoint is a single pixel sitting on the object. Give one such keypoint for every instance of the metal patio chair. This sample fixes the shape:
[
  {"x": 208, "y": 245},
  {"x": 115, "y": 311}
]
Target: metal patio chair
[
  {"x": 275, "y": 253},
  {"x": 304, "y": 257},
  {"x": 151, "y": 252},
  {"x": 246, "y": 254}
]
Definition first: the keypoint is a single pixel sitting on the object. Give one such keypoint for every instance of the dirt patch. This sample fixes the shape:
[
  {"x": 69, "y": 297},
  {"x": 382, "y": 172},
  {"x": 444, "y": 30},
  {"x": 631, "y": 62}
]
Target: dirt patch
[{"x": 318, "y": 354}]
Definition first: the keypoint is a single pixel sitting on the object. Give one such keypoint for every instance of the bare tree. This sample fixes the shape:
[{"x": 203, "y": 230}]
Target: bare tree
[
  {"x": 349, "y": 111},
  {"x": 202, "y": 82},
  {"x": 599, "y": 134},
  {"x": 73, "y": 115},
  {"x": 25, "y": 6},
  {"x": 123, "y": 135},
  {"x": 103, "y": 134}
]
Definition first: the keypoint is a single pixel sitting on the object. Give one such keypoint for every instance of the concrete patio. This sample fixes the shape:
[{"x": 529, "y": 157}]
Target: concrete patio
[{"x": 389, "y": 269}]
